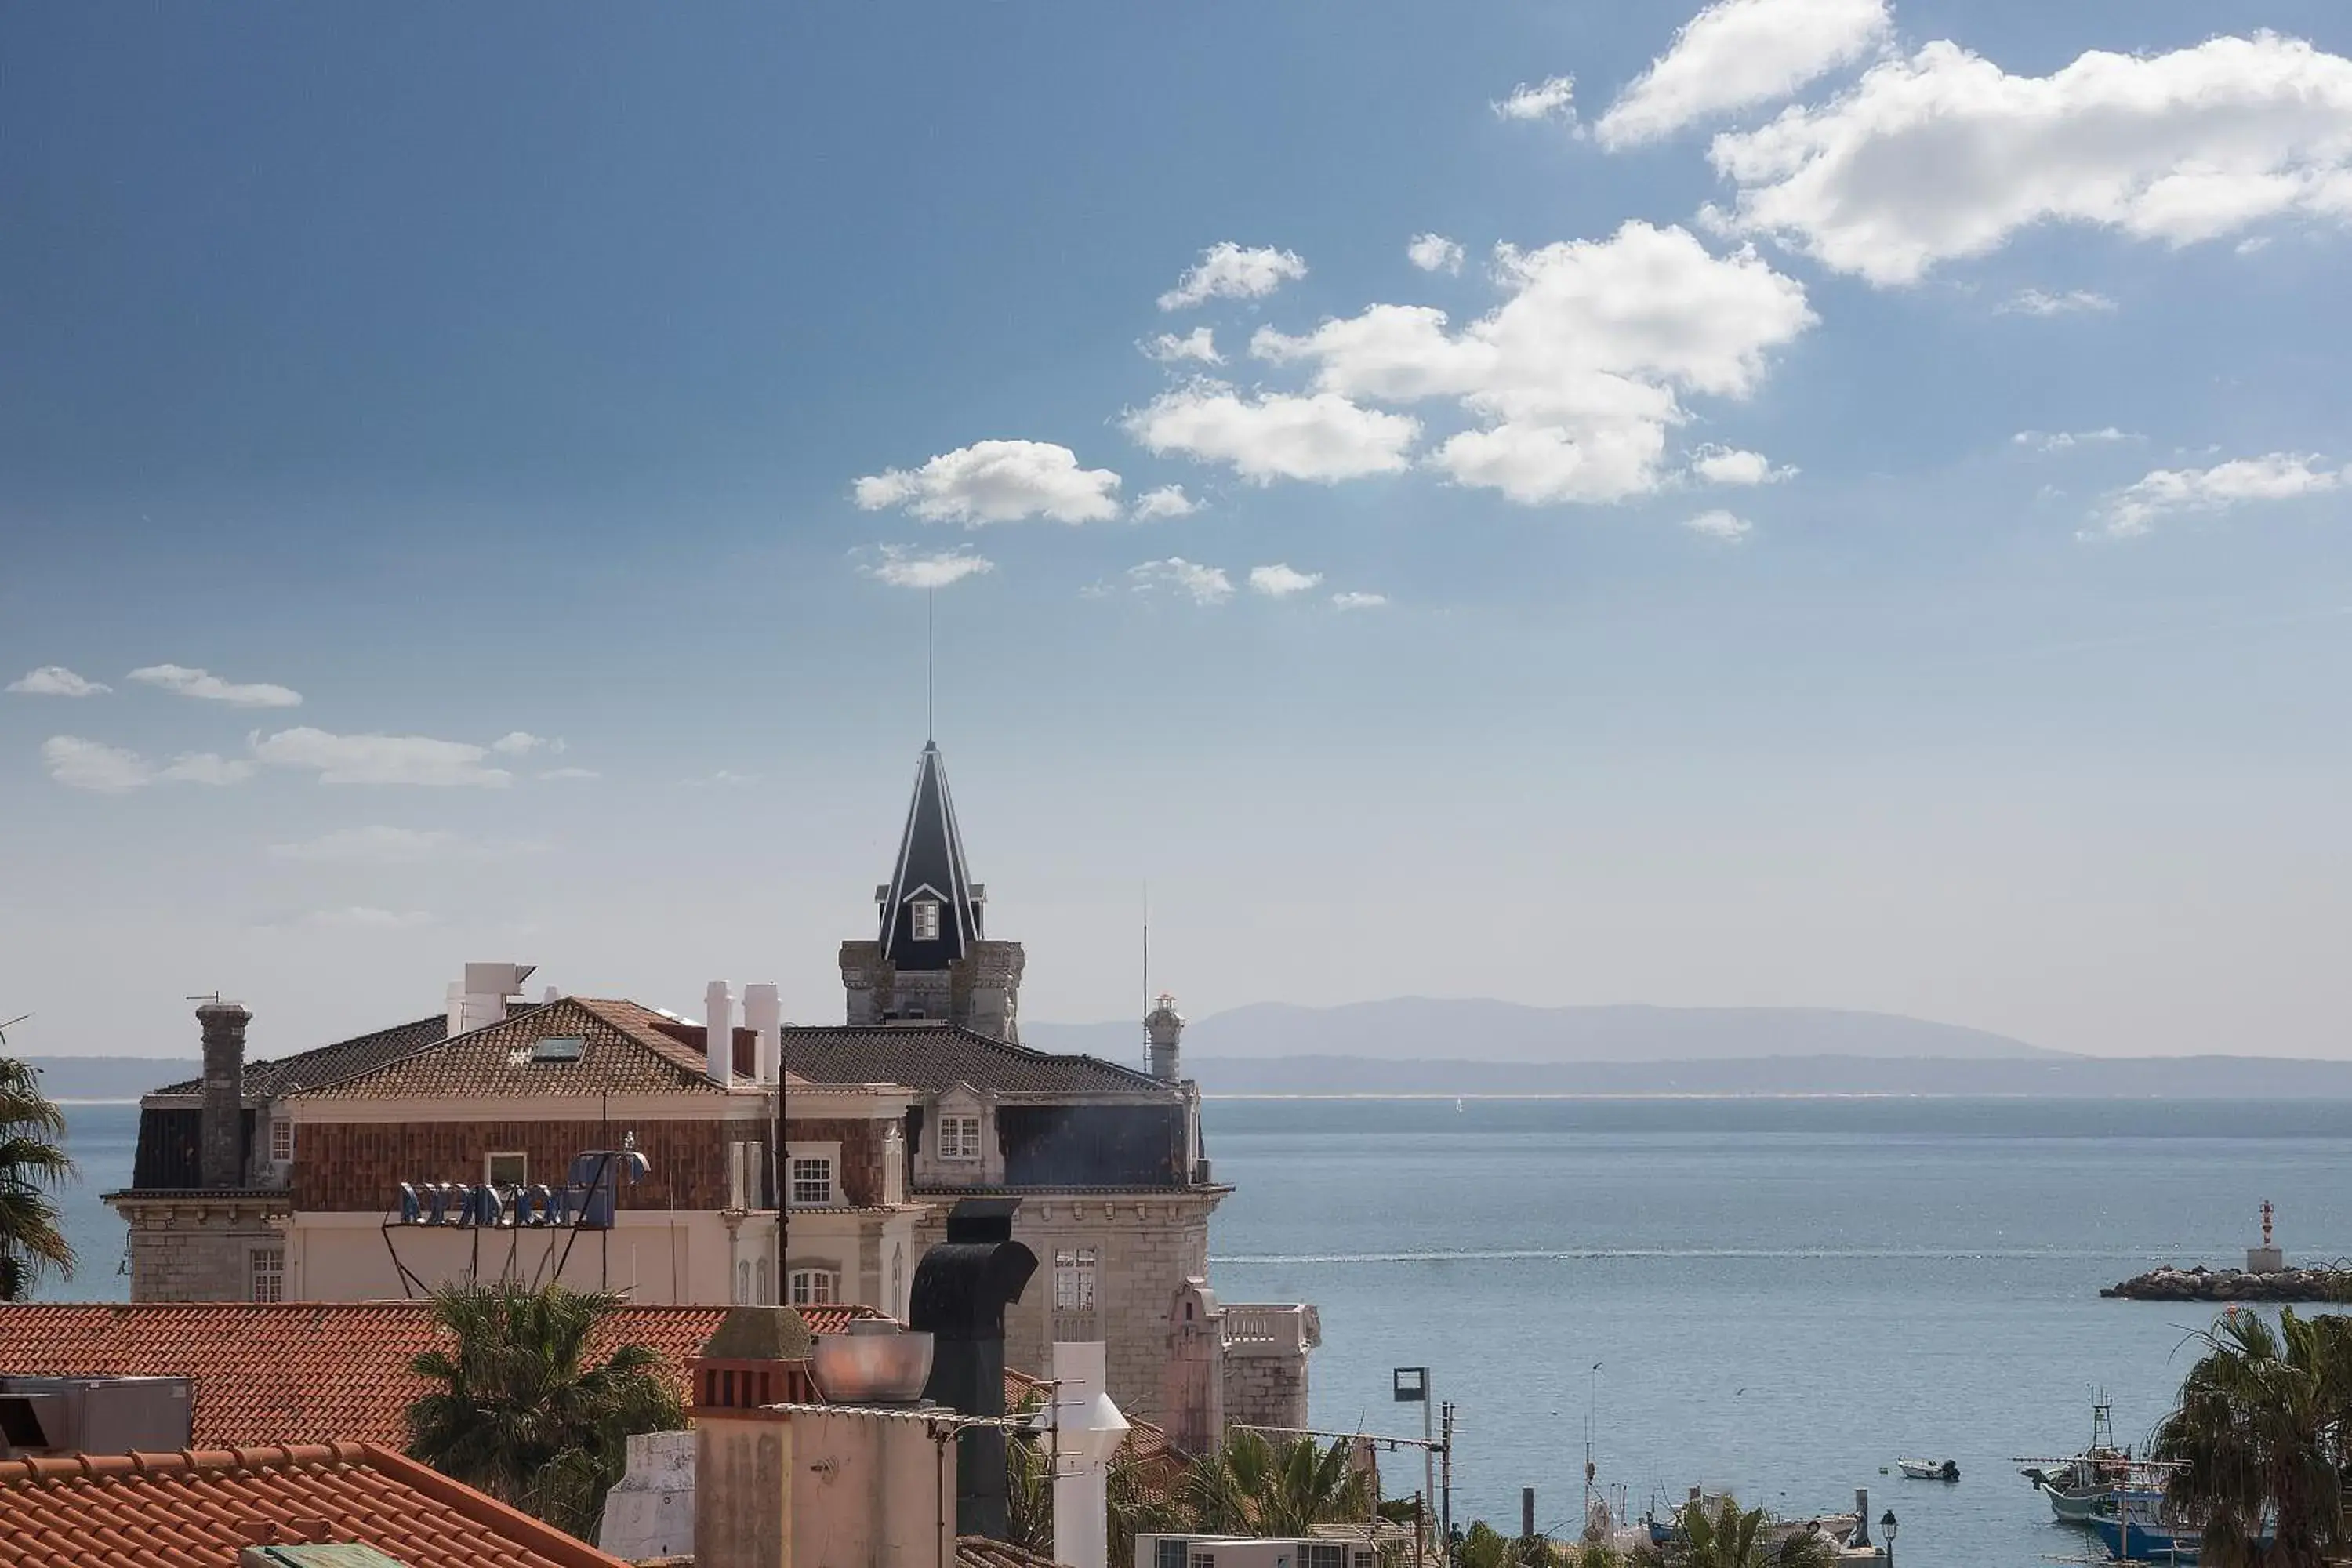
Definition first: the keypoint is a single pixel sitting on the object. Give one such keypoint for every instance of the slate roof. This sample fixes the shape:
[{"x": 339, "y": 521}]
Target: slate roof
[
  {"x": 201, "y": 1508},
  {"x": 327, "y": 1064},
  {"x": 626, "y": 1052},
  {"x": 930, "y": 865},
  {"x": 300, "y": 1371},
  {"x": 931, "y": 1056}
]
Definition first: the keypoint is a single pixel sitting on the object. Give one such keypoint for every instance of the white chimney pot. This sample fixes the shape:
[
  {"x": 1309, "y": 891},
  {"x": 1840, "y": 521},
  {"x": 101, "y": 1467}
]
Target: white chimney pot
[
  {"x": 763, "y": 1012},
  {"x": 718, "y": 1034}
]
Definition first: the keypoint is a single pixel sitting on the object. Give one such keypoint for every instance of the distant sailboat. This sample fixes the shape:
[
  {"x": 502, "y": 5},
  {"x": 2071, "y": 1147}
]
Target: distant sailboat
[{"x": 1457, "y": 1105}]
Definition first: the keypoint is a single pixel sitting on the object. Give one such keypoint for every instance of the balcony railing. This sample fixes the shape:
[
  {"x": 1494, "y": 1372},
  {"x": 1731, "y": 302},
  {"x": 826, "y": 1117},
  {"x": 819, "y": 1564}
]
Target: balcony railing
[{"x": 1259, "y": 1329}]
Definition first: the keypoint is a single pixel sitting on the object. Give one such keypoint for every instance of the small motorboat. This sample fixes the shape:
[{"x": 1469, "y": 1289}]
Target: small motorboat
[{"x": 1929, "y": 1469}]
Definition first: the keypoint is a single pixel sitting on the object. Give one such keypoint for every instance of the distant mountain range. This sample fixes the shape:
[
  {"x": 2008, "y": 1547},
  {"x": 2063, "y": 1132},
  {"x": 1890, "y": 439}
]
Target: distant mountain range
[{"x": 1424, "y": 1029}]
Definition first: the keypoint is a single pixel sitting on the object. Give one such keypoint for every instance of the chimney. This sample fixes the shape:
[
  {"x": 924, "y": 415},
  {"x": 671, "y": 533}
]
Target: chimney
[
  {"x": 763, "y": 1013},
  {"x": 743, "y": 1451},
  {"x": 1088, "y": 1429},
  {"x": 220, "y": 1158},
  {"x": 1164, "y": 1027},
  {"x": 962, "y": 1288},
  {"x": 718, "y": 1034},
  {"x": 480, "y": 999}
]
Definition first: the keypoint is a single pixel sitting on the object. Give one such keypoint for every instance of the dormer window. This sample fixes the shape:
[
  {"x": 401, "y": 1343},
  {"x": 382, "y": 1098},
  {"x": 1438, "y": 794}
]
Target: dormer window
[{"x": 927, "y": 920}]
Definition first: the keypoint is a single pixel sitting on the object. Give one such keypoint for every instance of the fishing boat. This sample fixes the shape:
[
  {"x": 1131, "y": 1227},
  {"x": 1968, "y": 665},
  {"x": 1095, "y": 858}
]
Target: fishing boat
[
  {"x": 2135, "y": 1537},
  {"x": 2080, "y": 1485},
  {"x": 1929, "y": 1469}
]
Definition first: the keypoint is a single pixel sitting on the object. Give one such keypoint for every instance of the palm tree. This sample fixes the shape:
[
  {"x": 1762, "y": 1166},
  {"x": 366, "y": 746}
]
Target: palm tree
[
  {"x": 517, "y": 1410},
  {"x": 2260, "y": 1438},
  {"x": 1733, "y": 1537},
  {"x": 32, "y": 1162},
  {"x": 1253, "y": 1487}
]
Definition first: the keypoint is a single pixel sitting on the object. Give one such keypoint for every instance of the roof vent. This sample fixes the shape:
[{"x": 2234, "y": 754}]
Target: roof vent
[{"x": 876, "y": 1366}]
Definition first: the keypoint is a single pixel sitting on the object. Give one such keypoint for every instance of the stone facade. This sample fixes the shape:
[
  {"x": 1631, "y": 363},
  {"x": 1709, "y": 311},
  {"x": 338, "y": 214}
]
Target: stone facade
[
  {"x": 201, "y": 1247},
  {"x": 981, "y": 991},
  {"x": 1233, "y": 1365}
]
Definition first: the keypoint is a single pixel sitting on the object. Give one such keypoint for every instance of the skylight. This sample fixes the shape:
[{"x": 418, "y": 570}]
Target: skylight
[{"x": 559, "y": 1047}]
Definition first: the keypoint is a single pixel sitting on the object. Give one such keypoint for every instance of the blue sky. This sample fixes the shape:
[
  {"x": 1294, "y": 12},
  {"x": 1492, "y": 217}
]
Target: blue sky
[{"x": 1869, "y": 529}]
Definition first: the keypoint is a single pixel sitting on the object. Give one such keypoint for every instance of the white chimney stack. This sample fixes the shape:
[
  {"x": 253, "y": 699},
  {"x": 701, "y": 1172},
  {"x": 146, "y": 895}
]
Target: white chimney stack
[
  {"x": 763, "y": 1012},
  {"x": 1088, "y": 1430},
  {"x": 718, "y": 1033}
]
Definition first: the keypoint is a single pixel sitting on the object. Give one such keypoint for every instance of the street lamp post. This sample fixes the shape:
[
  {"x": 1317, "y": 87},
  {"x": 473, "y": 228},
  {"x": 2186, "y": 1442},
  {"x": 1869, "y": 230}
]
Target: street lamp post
[
  {"x": 1886, "y": 1527},
  {"x": 1410, "y": 1386}
]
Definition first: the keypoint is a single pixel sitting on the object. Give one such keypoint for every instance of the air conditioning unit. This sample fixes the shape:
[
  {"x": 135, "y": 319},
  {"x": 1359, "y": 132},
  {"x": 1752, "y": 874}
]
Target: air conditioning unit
[{"x": 95, "y": 1415}]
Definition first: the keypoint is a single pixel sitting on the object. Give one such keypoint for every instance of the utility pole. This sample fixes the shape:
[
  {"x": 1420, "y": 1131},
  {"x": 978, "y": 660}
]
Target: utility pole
[
  {"x": 1445, "y": 1470},
  {"x": 1410, "y": 1385}
]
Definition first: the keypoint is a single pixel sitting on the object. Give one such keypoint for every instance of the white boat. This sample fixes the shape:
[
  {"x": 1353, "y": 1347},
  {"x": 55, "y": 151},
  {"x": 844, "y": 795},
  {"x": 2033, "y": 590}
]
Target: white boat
[
  {"x": 2085, "y": 1484},
  {"x": 1929, "y": 1469}
]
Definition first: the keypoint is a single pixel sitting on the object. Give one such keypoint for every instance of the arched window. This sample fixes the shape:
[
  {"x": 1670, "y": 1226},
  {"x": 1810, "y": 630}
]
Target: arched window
[
  {"x": 743, "y": 1281},
  {"x": 759, "y": 1273},
  {"x": 898, "y": 1277},
  {"x": 815, "y": 1286}
]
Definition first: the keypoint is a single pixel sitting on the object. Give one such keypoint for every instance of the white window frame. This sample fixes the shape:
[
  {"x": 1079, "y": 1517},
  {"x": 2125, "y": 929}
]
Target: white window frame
[
  {"x": 923, "y": 919},
  {"x": 810, "y": 1286},
  {"x": 829, "y": 1153},
  {"x": 1077, "y": 1277},
  {"x": 265, "y": 1273},
  {"x": 958, "y": 1137},
  {"x": 489, "y": 1163},
  {"x": 281, "y": 1140}
]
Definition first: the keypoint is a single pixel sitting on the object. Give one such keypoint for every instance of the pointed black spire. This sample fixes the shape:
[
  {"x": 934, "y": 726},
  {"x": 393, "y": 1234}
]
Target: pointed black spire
[{"x": 930, "y": 909}]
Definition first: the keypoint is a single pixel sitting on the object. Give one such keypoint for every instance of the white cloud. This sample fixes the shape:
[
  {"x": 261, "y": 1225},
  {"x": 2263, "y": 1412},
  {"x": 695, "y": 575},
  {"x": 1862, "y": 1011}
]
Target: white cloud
[
  {"x": 1738, "y": 53},
  {"x": 78, "y": 763},
  {"x": 571, "y": 773},
  {"x": 1731, "y": 465},
  {"x": 2062, "y": 440},
  {"x": 1554, "y": 97},
  {"x": 903, "y": 568},
  {"x": 1576, "y": 377},
  {"x": 522, "y": 744},
  {"x": 1434, "y": 253},
  {"x": 369, "y": 845},
  {"x": 57, "y": 680},
  {"x": 2041, "y": 302},
  {"x": 2164, "y": 493},
  {"x": 210, "y": 688},
  {"x": 1720, "y": 524},
  {"x": 1946, "y": 154},
  {"x": 1228, "y": 271},
  {"x": 1199, "y": 345},
  {"x": 359, "y": 916},
  {"x": 1280, "y": 581},
  {"x": 1351, "y": 600},
  {"x": 1205, "y": 585},
  {"x": 1276, "y": 437},
  {"x": 996, "y": 481},
  {"x": 1168, "y": 500},
  {"x": 382, "y": 759},
  {"x": 725, "y": 778}
]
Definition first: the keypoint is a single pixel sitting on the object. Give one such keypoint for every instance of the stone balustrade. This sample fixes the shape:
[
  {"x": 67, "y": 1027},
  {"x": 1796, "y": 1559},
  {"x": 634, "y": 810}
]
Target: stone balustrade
[{"x": 1254, "y": 1329}]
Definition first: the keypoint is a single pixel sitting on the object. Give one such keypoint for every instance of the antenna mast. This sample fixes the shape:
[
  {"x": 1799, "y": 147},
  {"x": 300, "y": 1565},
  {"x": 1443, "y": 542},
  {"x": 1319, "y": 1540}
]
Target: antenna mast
[
  {"x": 929, "y": 596},
  {"x": 1147, "y": 967}
]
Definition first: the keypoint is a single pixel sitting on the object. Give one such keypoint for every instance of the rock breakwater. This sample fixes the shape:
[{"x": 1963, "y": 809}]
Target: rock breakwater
[{"x": 2203, "y": 1284}]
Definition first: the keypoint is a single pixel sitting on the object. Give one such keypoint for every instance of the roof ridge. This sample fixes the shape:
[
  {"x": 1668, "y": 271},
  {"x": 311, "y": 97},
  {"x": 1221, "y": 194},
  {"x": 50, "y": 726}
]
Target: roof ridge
[{"x": 43, "y": 1469}]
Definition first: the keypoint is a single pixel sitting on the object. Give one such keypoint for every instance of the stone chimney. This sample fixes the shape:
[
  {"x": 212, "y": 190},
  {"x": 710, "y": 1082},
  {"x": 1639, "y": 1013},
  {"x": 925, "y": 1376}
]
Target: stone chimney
[
  {"x": 960, "y": 1291},
  {"x": 743, "y": 1451},
  {"x": 1163, "y": 1027},
  {"x": 221, "y": 1142}
]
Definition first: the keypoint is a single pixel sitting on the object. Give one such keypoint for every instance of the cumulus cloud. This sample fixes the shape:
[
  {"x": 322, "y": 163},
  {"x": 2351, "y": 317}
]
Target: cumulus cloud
[
  {"x": 1719, "y": 524},
  {"x": 2166, "y": 492},
  {"x": 1945, "y": 155},
  {"x": 1735, "y": 54},
  {"x": 522, "y": 744},
  {"x": 1200, "y": 344},
  {"x": 1229, "y": 271},
  {"x": 78, "y": 764},
  {"x": 382, "y": 759},
  {"x": 1434, "y": 253},
  {"x": 1279, "y": 436},
  {"x": 1280, "y": 581},
  {"x": 1578, "y": 375},
  {"x": 903, "y": 568},
  {"x": 211, "y": 688},
  {"x": 2063, "y": 440},
  {"x": 1354, "y": 600},
  {"x": 1168, "y": 500},
  {"x": 2041, "y": 302},
  {"x": 1731, "y": 465},
  {"x": 360, "y": 917},
  {"x": 996, "y": 481},
  {"x": 57, "y": 680},
  {"x": 1202, "y": 585},
  {"x": 1554, "y": 97}
]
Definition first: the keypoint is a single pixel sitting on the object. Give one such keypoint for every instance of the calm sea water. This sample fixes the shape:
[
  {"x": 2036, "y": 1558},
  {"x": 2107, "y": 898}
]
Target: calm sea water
[{"x": 1782, "y": 1295}]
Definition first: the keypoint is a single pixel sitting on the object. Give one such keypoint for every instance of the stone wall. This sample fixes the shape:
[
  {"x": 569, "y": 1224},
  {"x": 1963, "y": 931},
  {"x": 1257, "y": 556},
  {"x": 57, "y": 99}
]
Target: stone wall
[
  {"x": 196, "y": 1252},
  {"x": 1267, "y": 1390}
]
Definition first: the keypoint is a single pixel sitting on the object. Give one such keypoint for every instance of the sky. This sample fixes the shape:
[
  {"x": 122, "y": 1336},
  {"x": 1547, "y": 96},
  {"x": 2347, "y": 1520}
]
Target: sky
[{"x": 1793, "y": 503}]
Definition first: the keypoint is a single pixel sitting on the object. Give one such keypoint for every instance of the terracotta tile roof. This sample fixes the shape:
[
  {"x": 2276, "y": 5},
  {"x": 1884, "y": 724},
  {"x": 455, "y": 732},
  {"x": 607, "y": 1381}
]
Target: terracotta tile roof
[
  {"x": 626, "y": 1052},
  {"x": 327, "y": 1064},
  {"x": 980, "y": 1552},
  {"x": 199, "y": 1510},
  {"x": 934, "y": 1057},
  {"x": 297, "y": 1371}
]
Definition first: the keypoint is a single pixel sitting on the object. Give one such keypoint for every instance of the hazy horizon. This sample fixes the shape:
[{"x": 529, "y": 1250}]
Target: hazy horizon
[{"x": 1492, "y": 504}]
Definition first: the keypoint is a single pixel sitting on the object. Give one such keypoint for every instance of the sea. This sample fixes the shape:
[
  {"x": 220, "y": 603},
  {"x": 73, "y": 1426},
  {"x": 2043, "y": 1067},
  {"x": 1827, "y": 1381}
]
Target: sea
[{"x": 1773, "y": 1298}]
